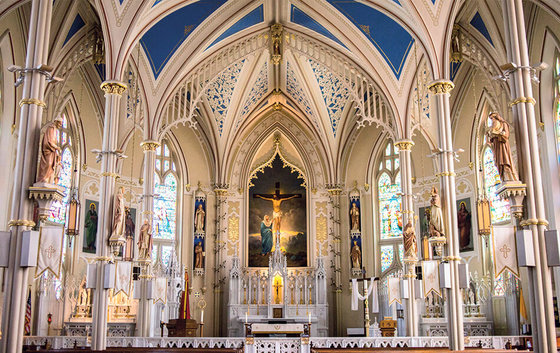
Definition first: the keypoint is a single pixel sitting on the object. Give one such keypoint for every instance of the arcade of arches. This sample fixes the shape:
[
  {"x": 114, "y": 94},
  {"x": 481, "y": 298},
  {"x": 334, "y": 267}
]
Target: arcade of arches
[{"x": 255, "y": 169}]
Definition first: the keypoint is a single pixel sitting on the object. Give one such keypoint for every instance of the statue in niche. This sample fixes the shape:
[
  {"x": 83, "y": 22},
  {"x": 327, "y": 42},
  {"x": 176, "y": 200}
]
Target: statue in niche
[
  {"x": 119, "y": 220},
  {"x": 145, "y": 241},
  {"x": 355, "y": 217},
  {"x": 266, "y": 235},
  {"x": 198, "y": 255},
  {"x": 410, "y": 246},
  {"x": 50, "y": 162},
  {"x": 436, "y": 215},
  {"x": 356, "y": 255},
  {"x": 464, "y": 225},
  {"x": 91, "y": 227},
  {"x": 499, "y": 141},
  {"x": 199, "y": 217},
  {"x": 83, "y": 296}
]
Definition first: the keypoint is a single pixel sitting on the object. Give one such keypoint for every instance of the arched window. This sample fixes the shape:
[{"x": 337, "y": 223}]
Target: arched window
[
  {"x": 389, "y": 206},
  {"x": 557, "y": 100},
  {"x": 165, "y": 204},
  {"x": 58, "y": 208},
  {"x": 499, "y": 208}
]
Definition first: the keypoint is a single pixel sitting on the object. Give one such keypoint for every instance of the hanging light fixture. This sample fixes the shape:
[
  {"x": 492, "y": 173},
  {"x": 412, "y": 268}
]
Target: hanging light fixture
[
  {"x": 73, "y": 216},
  {"x": 483, "y": 216}
]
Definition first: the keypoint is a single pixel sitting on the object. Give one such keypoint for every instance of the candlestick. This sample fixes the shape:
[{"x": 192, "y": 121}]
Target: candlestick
[{"x": 202, "y": 316}]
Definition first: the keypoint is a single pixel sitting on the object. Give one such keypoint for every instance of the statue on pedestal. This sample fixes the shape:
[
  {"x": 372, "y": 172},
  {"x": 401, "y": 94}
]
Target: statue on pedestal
[
  {"x": 356, "y": 256},
  {"x": 199, "y": 217},
  {"x": 145, "y": 241},
  {"x": 499, "y": 141},
  {"x": 50, "y": 162},
  {"x": 410, "y": 246},
  {"x": 355, "y": 217},
  {"x": 119, "y": 214},
  {"x": 198, "y": 255},
  {"x": 436, "y": 215}
]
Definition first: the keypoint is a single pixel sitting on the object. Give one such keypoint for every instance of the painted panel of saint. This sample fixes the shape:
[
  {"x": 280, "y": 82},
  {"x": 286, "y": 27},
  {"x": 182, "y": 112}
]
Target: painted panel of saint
[
  {"x": 277, "y": 205},
  {"x": 90, "y": 227},
  {"x": 464, "y": 223}
]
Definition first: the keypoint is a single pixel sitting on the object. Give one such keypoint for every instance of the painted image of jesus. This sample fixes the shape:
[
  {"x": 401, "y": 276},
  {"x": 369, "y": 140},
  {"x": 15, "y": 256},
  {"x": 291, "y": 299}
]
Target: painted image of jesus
[{"x": 276, "y": 200}]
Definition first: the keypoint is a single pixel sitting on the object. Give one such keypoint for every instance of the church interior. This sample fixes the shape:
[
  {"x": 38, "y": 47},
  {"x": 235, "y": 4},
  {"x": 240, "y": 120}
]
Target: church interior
[{"x": 279, "y": 175}]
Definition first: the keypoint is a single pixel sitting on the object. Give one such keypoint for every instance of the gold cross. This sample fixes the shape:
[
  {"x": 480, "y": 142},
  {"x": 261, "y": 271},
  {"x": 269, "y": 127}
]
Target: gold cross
[
  {"x": 505, "y": 250},
  {"x": 50, "y": 251}
]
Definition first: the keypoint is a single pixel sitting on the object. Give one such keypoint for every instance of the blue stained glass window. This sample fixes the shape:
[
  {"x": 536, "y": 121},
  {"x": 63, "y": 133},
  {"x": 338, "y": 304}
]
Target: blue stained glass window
[
  {"x": 58, "y": 208},
  {"x": 499, "y": 208},
  {"x": 389, "y": 206},
  {"x": 166, "y": 254},
  {"x": 387, "y": 254},
  {"x": 165, "y": 197}
]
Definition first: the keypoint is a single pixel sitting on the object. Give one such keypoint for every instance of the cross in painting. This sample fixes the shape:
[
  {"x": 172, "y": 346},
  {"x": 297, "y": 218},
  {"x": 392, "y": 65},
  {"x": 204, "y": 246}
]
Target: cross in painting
[{"x": 276, "y": 200}]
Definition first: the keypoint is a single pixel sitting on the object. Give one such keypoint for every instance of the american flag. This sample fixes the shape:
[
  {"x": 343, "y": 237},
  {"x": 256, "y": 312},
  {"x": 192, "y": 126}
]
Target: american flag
[{"x": 27, "y": 327}]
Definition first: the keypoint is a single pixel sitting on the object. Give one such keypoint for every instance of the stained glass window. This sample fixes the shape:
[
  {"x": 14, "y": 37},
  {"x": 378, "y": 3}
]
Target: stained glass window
[
  {"x": 386, "y": 257},
  {"x": 498, "y": 208},
  {"x": 58, "y": 208},
  {"x": 165, "y": 197},
  {"x": 500, "y": 285},
  {"x": 401, "y": 252},
  {"x": 166, "y": 254}
]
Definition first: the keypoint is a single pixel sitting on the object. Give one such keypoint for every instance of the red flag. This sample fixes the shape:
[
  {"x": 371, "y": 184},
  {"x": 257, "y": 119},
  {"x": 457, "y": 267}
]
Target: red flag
[
  {"x": 27, "y": 326},
  {"x": 184, "y": 306}
]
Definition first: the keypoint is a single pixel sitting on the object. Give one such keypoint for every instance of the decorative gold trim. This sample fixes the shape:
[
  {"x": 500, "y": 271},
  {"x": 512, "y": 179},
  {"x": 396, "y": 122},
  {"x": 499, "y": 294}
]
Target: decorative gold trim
[
  {"x": 112, "y": 175},
  {"x": 149, "y": 145},
  {"x": 34, "y": 101},
  {"x": 305, "y": 340},
  {"x": 441, "y": 87},
  {"x": 103, "y": 258},
  {"x": 146, "y": 276},
  {"x": 249, "y": 340},
  {"x": 404, "y": 145},
  {"x": 542, "y": 222},
  {"x": 445, "y": 174},
  {"x": 147, "y": 213},
  {"x": 335, "y": 191},
  {"x": 221, "y": 191},
  {"x": 529, "y": 222},
  {"x": 523, "y": 100},
  {"x": 113, "y": 87},
  {"x": 21, "y": 222}
]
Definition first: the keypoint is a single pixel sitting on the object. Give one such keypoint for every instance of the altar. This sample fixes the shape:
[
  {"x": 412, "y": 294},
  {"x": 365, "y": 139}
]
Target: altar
[{"x": 278, "y": 300}]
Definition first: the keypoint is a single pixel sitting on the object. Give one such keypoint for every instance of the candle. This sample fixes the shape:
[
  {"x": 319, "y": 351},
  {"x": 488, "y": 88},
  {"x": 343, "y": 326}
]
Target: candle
[
  {"x": 246, "y": 317},
  {"x": 309, "y": 317},
  {"x": 202, "y": 316}
]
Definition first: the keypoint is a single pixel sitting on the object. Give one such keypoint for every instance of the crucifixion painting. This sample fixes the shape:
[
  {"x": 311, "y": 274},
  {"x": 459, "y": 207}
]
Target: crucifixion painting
[{"x": 277, "y": 208}]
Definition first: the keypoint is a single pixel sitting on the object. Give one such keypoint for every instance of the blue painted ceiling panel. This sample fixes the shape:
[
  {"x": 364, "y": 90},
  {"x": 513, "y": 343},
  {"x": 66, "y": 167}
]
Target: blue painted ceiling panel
[
  {"x": 389, "y": 37},
  {"x": 480, "y": 26},
  {"x": 252, "y": 18},
  {"x": 454, "y": 69},
  {"x": 162, "y": 40},
  {"x": 76, "y": 26},
  {"x": 301, "y": 18}
]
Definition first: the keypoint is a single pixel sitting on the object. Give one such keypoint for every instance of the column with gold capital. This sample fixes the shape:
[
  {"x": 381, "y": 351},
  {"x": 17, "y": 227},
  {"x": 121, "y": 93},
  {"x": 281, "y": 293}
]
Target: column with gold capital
[
  {"x": 108, "y": 155},
  {"x": 409, "y": 237},
  {"x": 441, "y": 89},
  {"x": 221, "y": 192},
  {"x": 31, "y": 112},
  {"x": 335, "y": 191},
  {"x": 144, "y": 321}
]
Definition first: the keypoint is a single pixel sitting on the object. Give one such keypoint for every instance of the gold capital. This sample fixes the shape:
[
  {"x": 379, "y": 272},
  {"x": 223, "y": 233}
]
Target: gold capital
[
  {"x": 21, "y": 222},
  {"x": 523, "y": 100},
  {"x": 441, "y": 87},
  {"x": 34, "y": 101},
  {"x": 149, "y": 145},
  {"x": 404, "y": 145},
  {"x": 113, "y": 87}
]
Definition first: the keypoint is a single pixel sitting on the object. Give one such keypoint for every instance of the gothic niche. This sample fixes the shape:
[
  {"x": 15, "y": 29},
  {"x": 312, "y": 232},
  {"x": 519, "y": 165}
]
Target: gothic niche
[{"x": 277, "y": 208}]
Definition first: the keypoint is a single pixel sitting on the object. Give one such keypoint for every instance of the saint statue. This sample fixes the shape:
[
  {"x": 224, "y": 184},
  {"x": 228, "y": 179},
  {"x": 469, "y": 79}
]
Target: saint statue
[
  {"x": 410, "y": 246},
  {"x": 199, "y": 217},
  {"x": 464, "y": 225},
  {"x": 129, "y": 232},
  {"x": 119, "y": 220},
  {"x": 198, "y": 255},
  {"x": 145, "y": 241},
  {"x": 83, "y": 294},
  {"x": 49, "y": 165},
  {"x": 355, "y": 217},
  {"x": 91, "y": 227},
  {"x": 436, "y": 215},
  {"x": 276, "y": 200},
  {"x": 266, "y": 235},
  {"x": 499, "y": 141},
  {"x": 356, "y": 256}
]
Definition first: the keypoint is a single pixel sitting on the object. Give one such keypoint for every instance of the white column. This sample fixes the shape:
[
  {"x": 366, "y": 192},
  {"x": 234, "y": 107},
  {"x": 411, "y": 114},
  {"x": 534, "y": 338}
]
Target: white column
[
  {"x": 407, "y": 209},
  {"x": 143, "y": 320},
  {"x": 441, "y": 90},
  {"x": 32, "y": 104},
  {"x": 113, "y": 91},
  {"x": 334, "y": 192},
  {"x": 524, "y": 114}
]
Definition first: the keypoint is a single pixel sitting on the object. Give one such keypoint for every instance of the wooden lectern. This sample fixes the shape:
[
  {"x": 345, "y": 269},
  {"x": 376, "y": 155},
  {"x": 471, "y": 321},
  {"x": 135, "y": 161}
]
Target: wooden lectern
[{"x": 182, "y": 328}]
